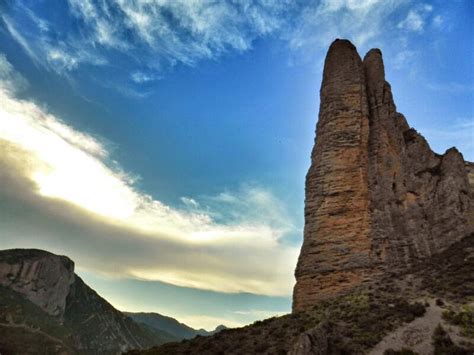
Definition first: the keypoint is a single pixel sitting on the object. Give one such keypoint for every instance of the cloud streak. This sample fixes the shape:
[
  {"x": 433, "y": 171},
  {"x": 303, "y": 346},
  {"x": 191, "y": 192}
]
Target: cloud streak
[
  {"x": 156, "y": 35},
  {"x": 60, "y": 190}
]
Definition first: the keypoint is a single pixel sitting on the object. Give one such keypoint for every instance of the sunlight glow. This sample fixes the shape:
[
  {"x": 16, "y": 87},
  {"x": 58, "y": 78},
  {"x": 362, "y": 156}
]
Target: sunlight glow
[
  {"x": 214, "y": 235},
  {"x": 66, "y": 170}
]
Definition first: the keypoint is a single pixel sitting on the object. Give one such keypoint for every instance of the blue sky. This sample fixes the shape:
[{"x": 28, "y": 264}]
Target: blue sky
[{"x": 163, "y": 144}]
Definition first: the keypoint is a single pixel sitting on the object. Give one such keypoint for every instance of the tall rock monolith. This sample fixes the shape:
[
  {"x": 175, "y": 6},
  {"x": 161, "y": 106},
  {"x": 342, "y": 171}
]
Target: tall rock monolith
[{"x": 377, "y": 197}]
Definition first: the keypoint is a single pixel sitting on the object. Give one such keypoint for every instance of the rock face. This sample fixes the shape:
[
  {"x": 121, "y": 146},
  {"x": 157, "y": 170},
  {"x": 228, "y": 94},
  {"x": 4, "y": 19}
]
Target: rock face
[
  {"x": 41, "y": 277},
  {"x": 377, "y": 197},
  {"x": 45, "y": 307}
]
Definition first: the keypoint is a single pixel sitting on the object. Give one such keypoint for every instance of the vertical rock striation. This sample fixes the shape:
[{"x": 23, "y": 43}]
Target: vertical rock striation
[
  {"x": 337, "y": 194},
  {"x": 377, "y": 196}
]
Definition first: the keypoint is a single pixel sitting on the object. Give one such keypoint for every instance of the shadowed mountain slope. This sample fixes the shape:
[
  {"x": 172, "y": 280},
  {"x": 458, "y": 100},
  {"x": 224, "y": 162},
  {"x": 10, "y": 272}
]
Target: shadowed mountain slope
[
  {"x": 170, "y": 325},
  {"x": 45, "y": 307}
]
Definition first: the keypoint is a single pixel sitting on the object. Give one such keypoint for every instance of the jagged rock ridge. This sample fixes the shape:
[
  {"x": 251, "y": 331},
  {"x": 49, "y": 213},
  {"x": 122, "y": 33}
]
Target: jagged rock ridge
[{"x": 377, "y": 197}]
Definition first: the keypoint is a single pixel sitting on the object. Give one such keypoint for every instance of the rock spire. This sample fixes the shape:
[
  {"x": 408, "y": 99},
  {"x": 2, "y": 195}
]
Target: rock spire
[{"x": 377, "y": 196}]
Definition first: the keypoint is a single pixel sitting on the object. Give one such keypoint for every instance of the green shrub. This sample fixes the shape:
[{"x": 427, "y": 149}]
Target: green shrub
[
  {"x": 443, "y": 345},
  {"x": 464, "y": 319}
]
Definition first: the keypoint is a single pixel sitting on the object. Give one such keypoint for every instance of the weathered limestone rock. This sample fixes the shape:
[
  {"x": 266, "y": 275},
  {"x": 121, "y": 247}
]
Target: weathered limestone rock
[
  {"x": 377, "y": 196},
  {"x": 43, "y": 278}
]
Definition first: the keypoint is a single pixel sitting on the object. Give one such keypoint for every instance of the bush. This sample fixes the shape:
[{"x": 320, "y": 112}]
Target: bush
[
  {"x": 464, "y": 319},
  {"x": 443, "y": 345},
  {"x": 417, "y": 309}
]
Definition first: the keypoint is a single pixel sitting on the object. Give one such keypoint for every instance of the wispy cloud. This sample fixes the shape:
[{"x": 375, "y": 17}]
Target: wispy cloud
[
  {"x": 141, "y": 77},
  {"x": 45, "y": 46},
  {"x": 10, "y": 80},
  {"x": 159, "y": 34},
  {"x": 19, "y": 38},
  {"x": 416, "y": 18},
  {"x": 326, "y": 20},
  {"x": 179, "y": 30},
  {"x": 60, "y": 184},
  {"x": 451, "y": 87}
]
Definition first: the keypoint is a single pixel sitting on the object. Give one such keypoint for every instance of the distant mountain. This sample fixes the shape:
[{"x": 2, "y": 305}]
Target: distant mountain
[
  {"x": 171, "y": 325},
  {"x": 45, "y": 307}
]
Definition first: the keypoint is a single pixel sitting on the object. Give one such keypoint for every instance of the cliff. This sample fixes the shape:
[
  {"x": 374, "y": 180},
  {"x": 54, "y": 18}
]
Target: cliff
[
  {"x": 377, "y": 197},
  {"x": 43, "y": 278},
  {"x": 45, "y": 306}
]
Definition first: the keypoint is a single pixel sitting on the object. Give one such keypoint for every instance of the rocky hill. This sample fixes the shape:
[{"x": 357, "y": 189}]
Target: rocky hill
[
  {"x": 387, "y": 262},
  {"x": 45, "y": 307},
  {"x": 170, "y": 325}
]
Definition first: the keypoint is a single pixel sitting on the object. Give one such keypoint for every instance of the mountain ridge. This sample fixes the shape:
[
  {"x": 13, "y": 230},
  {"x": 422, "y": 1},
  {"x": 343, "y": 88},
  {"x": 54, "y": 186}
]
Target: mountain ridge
[
  {"x": 43, "y": 299},
  {"x": 170, "y": 325}
]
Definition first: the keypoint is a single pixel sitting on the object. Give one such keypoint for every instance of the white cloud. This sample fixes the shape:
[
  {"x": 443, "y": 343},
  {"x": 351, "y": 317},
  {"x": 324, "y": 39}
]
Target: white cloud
[
  {"x": 190, "y": 202},
  {"x": 178, "y": 30},
  {"x": 43, "y": 46},
  {"x": 359, "y": 21},
  {"x": 416, "y": 18},
  {"x": 413, "y": 22},
  {"x": 159, "y": 34},
  {"x": 224, "y": 243},
  {"x": 10, "y": 80},
  {"x": 140, "y": 77}
]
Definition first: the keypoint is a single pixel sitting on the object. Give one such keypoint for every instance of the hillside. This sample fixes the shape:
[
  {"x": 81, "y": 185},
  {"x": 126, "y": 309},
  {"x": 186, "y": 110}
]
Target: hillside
[
  {"x": 357, "y": 322},
  {"x": 170, "y": 325},
  {"x": 44, "y": 305}
]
